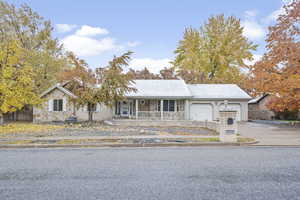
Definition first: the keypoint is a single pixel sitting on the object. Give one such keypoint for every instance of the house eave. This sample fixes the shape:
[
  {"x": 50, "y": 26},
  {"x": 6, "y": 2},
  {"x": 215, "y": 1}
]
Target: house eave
[
  {"x": 62, "y": 89},
  {"x": 220, "y": 99},
  {"x": 158, "y": 97}
]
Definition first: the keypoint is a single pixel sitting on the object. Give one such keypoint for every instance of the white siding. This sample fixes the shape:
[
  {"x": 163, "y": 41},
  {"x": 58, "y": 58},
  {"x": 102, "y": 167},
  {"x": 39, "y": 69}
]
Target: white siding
[
  {"x": 65, "y": 103},
  {"x": 50, "y": 105}
]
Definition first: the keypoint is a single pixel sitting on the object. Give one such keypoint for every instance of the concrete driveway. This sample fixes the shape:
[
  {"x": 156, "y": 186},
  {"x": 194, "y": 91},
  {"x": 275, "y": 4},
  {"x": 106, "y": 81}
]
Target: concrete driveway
[{"x": 269, "y": 134}]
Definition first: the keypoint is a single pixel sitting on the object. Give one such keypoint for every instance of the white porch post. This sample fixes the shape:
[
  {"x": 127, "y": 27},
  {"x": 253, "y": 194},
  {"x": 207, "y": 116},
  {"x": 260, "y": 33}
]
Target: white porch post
[
  {"x": 161, "y": 109},
  {"x": 136, "y": 108},
  {"x": 186, "y": 109},
  {"x": 175, "y": 106}
]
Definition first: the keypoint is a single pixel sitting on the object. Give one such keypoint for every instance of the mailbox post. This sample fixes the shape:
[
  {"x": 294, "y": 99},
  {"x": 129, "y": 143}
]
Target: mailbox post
[{"x": 228, "y": 126}]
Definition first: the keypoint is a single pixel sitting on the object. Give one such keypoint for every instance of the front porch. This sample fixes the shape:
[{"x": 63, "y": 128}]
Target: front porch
[{"x": 151, "y": 109}]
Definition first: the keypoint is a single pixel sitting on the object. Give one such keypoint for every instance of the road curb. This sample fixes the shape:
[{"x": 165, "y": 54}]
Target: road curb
[{"x": 13, "y": 146}]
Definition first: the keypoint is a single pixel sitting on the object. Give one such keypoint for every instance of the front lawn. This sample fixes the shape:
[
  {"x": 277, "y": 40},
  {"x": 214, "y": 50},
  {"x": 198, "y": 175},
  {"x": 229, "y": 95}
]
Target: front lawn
[{"x": 13, "y": 128}]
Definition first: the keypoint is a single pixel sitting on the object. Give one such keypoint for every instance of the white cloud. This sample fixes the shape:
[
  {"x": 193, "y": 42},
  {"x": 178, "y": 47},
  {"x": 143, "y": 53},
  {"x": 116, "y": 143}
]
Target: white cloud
[
  {"x": 154, "y": 65},
  {"x": 253, "y": 30},
  {"x": 85, "y": 46},
  {"x": 274, "y": 15},
  {"x": 251, "y": 13},
  {"x": 256, "y": 57},
  {"x": 63, "y": 28},
  {"x": 86, "y": 30},
  {"x": 133, "y": 44},
  {"x": 89, "y": 41}
]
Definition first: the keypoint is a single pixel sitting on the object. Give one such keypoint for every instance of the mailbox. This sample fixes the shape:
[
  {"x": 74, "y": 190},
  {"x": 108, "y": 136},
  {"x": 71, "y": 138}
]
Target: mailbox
[
  {"x": 230, "y": 121},
  {"x": 228, "y": 126}
]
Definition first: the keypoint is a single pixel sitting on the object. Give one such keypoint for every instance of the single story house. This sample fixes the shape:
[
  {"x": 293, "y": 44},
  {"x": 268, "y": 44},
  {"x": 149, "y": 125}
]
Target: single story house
[
  {"x": 258, "y": 108},
  {"x": 153, "y": 100}
]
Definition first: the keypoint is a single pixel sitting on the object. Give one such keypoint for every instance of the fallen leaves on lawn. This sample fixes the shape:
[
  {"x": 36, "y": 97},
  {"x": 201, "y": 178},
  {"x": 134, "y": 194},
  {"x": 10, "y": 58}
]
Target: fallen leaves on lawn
[{"x": 27, "y": 127}]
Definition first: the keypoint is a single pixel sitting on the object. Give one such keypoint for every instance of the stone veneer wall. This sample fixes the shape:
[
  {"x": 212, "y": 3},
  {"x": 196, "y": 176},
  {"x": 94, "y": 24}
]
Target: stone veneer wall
[
  {"x": 42, "y": 113},
  {"x": 228, "y": 131}
]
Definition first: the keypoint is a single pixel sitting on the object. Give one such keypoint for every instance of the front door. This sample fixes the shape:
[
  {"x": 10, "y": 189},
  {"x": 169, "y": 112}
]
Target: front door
[{"x": 125, "y": 109}]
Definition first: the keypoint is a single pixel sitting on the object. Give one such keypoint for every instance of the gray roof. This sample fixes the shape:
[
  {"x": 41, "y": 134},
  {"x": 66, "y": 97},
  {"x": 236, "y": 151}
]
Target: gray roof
[
  {"x": 217, "y": 91},
  {"x": 61, "y": 88},
  {"x": 160, "y": 88},
  {"x": 257, "y": 99},
  {"x": 175, "y": 89}
]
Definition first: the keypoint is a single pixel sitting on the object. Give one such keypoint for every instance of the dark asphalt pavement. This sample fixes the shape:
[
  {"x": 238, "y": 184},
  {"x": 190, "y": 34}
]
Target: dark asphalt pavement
[{"x": 151, "y": 173}]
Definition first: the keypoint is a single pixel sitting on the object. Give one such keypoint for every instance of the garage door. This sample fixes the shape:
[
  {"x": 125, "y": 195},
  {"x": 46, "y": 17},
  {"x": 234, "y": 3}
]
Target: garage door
[
  {"x": 201, "y": 112},
  {"x": 233, "y": 106}
]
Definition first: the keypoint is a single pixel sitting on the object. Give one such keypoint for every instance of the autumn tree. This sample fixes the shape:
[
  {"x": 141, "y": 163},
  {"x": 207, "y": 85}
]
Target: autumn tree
[
  {"x": 278, "y": 72},
  {"x": 81, "y": 81},
  {"x": 215, "y": 53},
  {"x": 17, "y": 87},
  {"x": 33, "y": 33},
  {"x": 168, "y": 73},
  {"x": 142, "y": 74},
  {"x": 115, "y": 83},
  {"x": 103, "y": 86}
]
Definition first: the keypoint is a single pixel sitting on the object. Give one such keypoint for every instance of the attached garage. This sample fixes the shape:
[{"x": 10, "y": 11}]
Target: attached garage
[
  {"x": 233, "y": 106},
  {"x": 201, "y": 112}
]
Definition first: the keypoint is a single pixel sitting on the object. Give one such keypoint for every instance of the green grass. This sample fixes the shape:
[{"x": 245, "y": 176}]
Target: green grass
[
  {"x": 242, "y": 139},
  {"x": 211, "y": 139}
]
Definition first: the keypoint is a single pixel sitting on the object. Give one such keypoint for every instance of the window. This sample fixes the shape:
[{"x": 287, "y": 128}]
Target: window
[
  {"x": 91, "y": 107},
  {"x": 169, "y": 105},
  {"x": 57, "y": 105},
  {"x": 172, "y": 105}
]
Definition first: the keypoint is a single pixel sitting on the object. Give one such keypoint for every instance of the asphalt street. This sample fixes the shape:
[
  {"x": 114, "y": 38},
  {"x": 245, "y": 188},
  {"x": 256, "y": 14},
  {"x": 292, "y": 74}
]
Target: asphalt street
[{"x": 174, "y": 173}]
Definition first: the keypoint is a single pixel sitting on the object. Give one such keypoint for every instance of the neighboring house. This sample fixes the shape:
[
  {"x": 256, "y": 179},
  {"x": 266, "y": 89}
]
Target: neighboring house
[
  {"x": 25, "y": 114},
  {"x": 258, "y": 108},
  {"x": 153, "y": 100}
]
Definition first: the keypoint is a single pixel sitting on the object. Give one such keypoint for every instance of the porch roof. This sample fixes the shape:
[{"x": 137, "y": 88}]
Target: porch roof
[{"x": 160, "y": 89}]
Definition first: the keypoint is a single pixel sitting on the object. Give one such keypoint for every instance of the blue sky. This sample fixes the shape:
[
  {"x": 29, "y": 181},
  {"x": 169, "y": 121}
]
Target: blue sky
[{"x": 96, "y": 30}]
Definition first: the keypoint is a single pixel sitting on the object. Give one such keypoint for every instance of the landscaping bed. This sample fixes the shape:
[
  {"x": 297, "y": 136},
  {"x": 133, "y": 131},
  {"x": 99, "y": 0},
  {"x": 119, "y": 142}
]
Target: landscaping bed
[
  {"x": 96, "y": 129},
  {"x": 117, "y": 142},
  {"x": 62, "y": 135}
]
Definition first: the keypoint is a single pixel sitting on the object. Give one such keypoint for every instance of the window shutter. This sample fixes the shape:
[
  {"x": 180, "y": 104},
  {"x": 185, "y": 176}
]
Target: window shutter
[
  {"x": 50, "y": 105},
  {"x": 64, "y": 104}
]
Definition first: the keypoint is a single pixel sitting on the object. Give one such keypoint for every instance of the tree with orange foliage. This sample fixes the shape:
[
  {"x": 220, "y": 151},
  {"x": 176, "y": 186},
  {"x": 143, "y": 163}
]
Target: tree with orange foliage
[
  {"x": 81, "y": 81},
  {"x": 278, "y": 72},
  {"x": 142, "y": 74},
  {"x": 105, "y": 85},
  {"x": 168, "y": 73}
]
